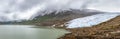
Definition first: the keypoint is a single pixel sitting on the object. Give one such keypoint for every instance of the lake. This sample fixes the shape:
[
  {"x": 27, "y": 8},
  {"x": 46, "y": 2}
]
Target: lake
[{"x": 30, "y": 32}]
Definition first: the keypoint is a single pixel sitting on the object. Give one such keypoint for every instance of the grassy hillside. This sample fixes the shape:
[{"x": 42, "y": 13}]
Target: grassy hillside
[{"x": 51, "y": 19}]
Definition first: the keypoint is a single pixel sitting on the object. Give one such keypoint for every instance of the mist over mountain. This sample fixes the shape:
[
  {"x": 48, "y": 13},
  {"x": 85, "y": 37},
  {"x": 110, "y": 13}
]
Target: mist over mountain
[{"x": 18, "y": 10}]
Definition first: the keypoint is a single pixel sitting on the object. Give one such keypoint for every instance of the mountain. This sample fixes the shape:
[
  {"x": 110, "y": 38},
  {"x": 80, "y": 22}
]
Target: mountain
[{"x": 60, "y": 18}]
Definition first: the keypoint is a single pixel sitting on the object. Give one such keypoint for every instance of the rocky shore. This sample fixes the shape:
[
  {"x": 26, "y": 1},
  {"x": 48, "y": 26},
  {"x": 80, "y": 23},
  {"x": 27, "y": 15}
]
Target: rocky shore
[{"x": 106, "y": 30}]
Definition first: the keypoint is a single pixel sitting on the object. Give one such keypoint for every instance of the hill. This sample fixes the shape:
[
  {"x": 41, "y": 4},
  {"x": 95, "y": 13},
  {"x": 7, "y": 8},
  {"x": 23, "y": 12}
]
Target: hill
[{"x": 51, "y": 19}]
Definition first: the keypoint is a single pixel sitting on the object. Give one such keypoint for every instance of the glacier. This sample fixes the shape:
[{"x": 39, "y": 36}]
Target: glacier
[
  {"x": 90, "y": 20},
  {"x": 18, "y": 10}
]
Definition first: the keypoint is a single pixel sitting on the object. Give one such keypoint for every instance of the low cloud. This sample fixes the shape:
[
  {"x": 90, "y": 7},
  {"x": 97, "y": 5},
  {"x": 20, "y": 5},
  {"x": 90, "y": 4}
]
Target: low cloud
[{"x": 11, "y": 10}]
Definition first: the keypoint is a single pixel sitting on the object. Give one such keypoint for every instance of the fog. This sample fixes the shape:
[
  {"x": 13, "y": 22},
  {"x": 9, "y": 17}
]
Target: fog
[{"x": 17, "y": 10}]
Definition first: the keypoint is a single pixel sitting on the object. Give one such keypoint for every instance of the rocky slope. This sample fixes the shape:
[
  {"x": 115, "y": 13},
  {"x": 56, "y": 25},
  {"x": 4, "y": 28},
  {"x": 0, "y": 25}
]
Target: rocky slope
[
  {"x": 66, "y": 16},
  {"x": 50, "y": 19},
  {"x": 106, "y": 30}
]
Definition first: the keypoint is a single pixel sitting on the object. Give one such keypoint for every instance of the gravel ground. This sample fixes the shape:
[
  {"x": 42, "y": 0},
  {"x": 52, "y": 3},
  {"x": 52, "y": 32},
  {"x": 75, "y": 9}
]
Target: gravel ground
[{"x": 106, "y": 30}]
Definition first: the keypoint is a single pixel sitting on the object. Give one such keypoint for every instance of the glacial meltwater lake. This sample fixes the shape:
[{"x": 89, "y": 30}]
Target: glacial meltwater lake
[{"x": 29, "y": 32}]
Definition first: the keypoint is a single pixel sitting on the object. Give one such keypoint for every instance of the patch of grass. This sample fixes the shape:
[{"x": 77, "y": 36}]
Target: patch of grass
[{"x": 34, "y": 21}]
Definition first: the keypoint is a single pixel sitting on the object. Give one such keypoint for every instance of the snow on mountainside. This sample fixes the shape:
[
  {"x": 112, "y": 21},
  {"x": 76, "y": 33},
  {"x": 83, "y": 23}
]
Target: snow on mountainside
[
  {"x": 90, "y": 20},
  {"x": 19, "y": 10}
]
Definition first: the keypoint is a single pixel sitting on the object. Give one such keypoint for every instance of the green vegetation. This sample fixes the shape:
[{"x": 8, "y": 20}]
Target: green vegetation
[
  {"x": 48, "y": 19},
  {"x": 36, "y": 20}
]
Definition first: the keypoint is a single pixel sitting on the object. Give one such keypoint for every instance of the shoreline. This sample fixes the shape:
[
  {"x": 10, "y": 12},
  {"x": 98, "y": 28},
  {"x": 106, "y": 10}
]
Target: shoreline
[{"x": 105, "y": 30}]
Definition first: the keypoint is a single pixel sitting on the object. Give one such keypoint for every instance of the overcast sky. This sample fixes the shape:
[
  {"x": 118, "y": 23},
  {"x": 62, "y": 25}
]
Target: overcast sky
[{"x": 25, "y": 9}]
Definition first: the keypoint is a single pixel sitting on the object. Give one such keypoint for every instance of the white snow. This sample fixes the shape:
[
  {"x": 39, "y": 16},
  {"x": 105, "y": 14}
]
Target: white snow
[
  {"x": 12, "y": 10},
  {"x": 90, "y": 20}
]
